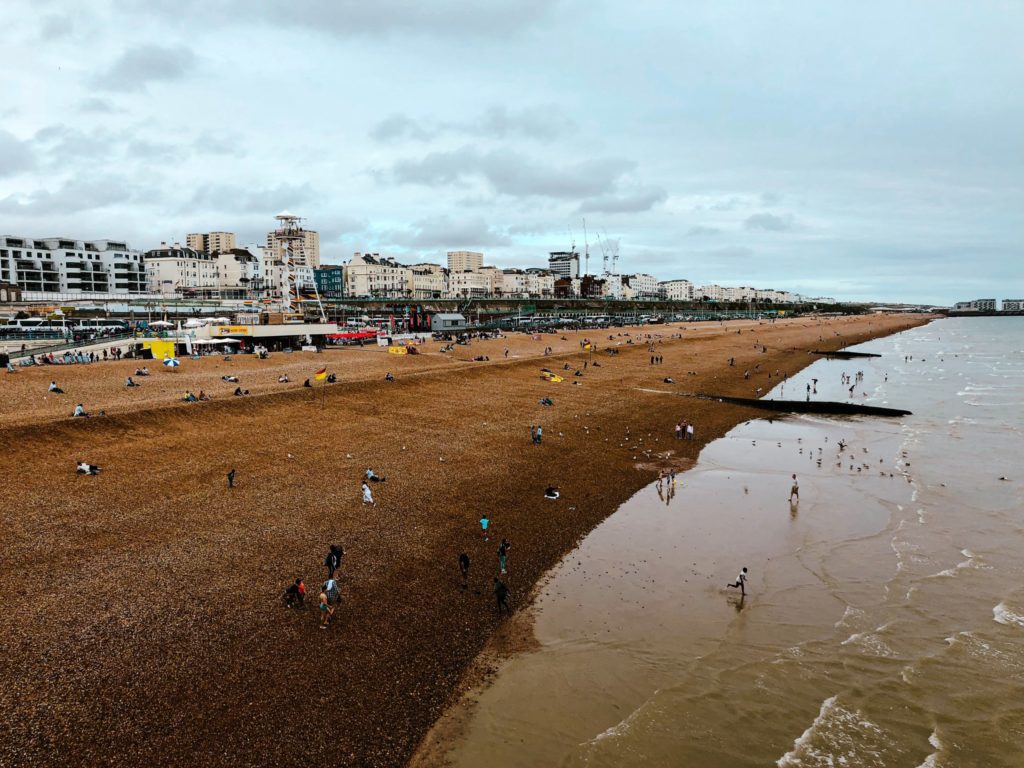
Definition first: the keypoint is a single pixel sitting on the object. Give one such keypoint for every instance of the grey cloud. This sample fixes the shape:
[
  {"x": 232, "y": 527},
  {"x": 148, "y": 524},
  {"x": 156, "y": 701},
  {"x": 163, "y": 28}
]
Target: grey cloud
[
  {"x": 770, "y": 222},
  {"x": 97, "y": 105},
  {"x": 511, "y": 173},
  {"x": 497, "y": 122},
  {"x": 636, "y": 202},
  {"x": 15, "y": 155},
  {"x": 728, "y": 204},
  {"x": 770, "y": 198},
  {"x": 153, "y": 151},
  {"x": 137, "y": 67},
  {"x": 446, "y": 232},
  {"x": 84, "y": 193},
  {"x": 456, "y": 19},
  {"x": 396, "y": 127},
  {"x": 240, "y": 199},
  {"x": 213, "y": 144},
  {"x": 700, "y": 231},
  {"x": 55, "y": 27}
]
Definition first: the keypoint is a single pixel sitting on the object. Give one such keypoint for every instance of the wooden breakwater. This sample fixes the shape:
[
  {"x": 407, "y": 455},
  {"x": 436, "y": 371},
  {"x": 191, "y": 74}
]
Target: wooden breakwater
[
  {"x": 826, "y": 407},
  {"x": 843, "y": 354}
]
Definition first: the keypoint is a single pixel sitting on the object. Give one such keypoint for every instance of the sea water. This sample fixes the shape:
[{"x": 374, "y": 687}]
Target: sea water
[{"x": 884, "y": 620}]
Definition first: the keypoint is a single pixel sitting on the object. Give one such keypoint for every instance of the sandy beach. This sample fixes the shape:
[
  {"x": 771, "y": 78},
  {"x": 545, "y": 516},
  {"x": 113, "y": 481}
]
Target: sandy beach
[{"x": 141, "y": 614}]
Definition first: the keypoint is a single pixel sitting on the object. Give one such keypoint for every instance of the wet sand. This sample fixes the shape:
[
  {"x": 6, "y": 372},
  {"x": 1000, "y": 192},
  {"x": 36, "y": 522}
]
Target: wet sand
[{"x": 141, "y": 614}]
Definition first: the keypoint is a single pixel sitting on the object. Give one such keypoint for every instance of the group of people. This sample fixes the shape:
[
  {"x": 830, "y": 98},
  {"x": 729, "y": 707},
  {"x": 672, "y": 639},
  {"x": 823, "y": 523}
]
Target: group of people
[
  {"x": 294, "y": 595},
  {"x": 536, "y": 434},
  {"x": 684, "y": 430}
]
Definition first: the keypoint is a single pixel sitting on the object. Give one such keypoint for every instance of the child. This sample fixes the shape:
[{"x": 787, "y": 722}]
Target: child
[
  {"x": 741, "y": 581},
  {"x": 484, "y": 522},
  {"x": 326, "y": 611}
]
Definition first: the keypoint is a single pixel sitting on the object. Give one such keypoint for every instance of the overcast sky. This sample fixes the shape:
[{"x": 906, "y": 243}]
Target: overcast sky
[{"x": 860, "y": 150}]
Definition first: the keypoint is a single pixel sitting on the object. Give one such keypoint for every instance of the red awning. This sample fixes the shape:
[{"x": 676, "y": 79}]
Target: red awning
[{"x": 353, "y": 335}]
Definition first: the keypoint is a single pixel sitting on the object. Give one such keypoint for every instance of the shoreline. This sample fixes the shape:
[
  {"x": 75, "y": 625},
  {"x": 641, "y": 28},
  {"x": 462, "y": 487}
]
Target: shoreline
[
  {"x": 518, "y": 637},
  {"x": 452, "y": 442}
]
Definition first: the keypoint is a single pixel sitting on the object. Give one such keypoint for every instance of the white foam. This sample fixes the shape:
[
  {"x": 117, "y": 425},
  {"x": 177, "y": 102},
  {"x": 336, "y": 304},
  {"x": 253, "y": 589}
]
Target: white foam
[
  {"x": 932, "y": 760},
  {"x": 1004, "y": 615},
  {"x": 836, "y": 737}
]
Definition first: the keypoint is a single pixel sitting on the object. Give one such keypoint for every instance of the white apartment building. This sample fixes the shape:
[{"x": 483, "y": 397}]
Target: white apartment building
[
  {"x": 369, "y": 275},
  {"x": 57, "y": 268},
  {"x": 241, "y": 273},
  {"x": 676, "y": 290},
  {"x": 642, "y": 286},
  {"x": 428, "y": 281},
  {"x": 465, "y": 261},
  {"x": 564, "y": 264},
  {"x": 540, "y": 283},
  {"x": 515, "y": 284},
  {"x": 1013, "y": 305},
  {"x": 211, "y": 242},
  {"x": 176, "y": 270},
  {"x": 470, "y": 285},
  {"x": 977, "y": 305},
  {"x": 306, "y": 253}
]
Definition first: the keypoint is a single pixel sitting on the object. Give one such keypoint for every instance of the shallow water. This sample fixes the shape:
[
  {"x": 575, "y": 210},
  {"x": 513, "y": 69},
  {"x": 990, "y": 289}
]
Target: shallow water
[{"x": 884, "y": 624}]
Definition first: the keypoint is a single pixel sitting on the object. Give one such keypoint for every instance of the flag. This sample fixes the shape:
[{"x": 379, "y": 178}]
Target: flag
[{"x": 321, "y": 374}]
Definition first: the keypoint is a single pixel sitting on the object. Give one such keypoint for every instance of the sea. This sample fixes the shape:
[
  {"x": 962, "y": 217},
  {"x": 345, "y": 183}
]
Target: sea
[{"x": 883, "y": 623}]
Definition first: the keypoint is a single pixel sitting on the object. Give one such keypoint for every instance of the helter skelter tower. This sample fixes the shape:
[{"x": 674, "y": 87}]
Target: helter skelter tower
[{"x": 291, "y": 237}]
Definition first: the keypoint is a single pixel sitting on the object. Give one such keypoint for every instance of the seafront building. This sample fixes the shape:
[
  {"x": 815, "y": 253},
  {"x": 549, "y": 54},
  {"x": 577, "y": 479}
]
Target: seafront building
[
  {"x": 465, "y": 261},
  {"x": 1013, "y": 305},
  {"x": 564, "y": 264},
  {"x": 676, "y": 290},
  {"x": 58, "y": 268},
  {"x": 211, "y": 242},
  {"x": 976, "y": 305},
  {"x": 306, "y": 254}
]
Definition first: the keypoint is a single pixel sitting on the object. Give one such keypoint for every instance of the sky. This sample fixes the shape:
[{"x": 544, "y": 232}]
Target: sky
[{"x": 867, "y": 151}]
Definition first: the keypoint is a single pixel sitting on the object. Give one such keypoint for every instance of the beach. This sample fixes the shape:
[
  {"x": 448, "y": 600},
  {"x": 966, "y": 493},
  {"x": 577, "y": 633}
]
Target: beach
[{"x": 142, "y": 618}]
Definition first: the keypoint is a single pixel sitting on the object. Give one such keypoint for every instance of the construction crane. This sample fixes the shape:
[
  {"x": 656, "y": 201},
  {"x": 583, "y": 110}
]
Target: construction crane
[
  {"x": 604, "y": 251},
  {"x": 586, "y": 250},
  {"x": 615, "y": 258}
]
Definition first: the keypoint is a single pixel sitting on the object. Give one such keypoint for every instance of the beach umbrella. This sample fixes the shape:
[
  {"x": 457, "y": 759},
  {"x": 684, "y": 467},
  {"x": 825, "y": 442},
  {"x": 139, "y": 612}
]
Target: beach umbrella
[
  {"x": 161, "y": 324},
  {"x": 172, "y": 362}
]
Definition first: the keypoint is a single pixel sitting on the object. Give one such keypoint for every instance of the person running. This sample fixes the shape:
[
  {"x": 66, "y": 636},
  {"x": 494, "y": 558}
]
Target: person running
[
  {"x": 326, "y": 610},
  {"x": 794, "y": 490},
  {"x": 484, "y": 523},
  {"x": 503, "y": 556},
  {"x": 464, "y": 569},
  {"x": 367, "y": 494},
  {"x": 741, "y": 581},
  {"x": 501, "y": 595}
]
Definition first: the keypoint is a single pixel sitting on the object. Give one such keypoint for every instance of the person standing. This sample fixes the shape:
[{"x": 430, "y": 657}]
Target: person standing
[
  {"x": 689, "y": 431},
  {"x": 741, "y": 581},
  {"x": 794, "y": 490},
  {"x": 326, "y": 610},
  {"x": 679, "y": 430},
  {"x": 333, "y": 560},
  {"x": 464, "y": 569},
  {"x": 484, "y": 523},
  {"x": 540, "y": 434},
  {"x": 231, "y": 478},
  {"x": 503, "y": 556},
  {"x": 501, "y": 595}
]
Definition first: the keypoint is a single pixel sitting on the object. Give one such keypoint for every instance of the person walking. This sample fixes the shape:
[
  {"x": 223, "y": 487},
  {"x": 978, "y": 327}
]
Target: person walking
[
  {"x": 333, "y": 559},
  {"x": 503, "y": 556},
  {"x": 464, "y": 569},
  {"x": 741, "y": 581},
  {"x": 484, "y": 523},
  {"x": 501, "y": 595},
  {"x": 231, "y": 478},
  {"x": 689, "y": 431},
  {"x": 794, "y": 490}
]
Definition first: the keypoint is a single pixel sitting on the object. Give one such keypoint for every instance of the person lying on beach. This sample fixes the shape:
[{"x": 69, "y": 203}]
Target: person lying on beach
[
  {"x": 373, "y": 477},
  {"x": 80, "y": 411},
  {"x": 367, "y": 495},
  {"x": 669, "y": 380},
  {"x": 306, "y": 383},
  {"x": 55, "y": 389},
  {"x": 546, "y": 401},
  {"x": 130, "y": 382},
  {"x": 85, "y": 468},
  {"x": 283, "y": 379},
  {"x": 231, "y": 379},
  {"x": 239, "y": 392},
  {"x": 551, "y": 492},
  {"x": 295, "y": 595}
]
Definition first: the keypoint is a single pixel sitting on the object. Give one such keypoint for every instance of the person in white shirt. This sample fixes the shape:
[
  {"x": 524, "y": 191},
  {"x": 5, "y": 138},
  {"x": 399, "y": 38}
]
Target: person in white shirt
[
  {"x": 55, "y": 389},
  {"x": 367, "y": 494},
  {"x": 741, "y": 581}
]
